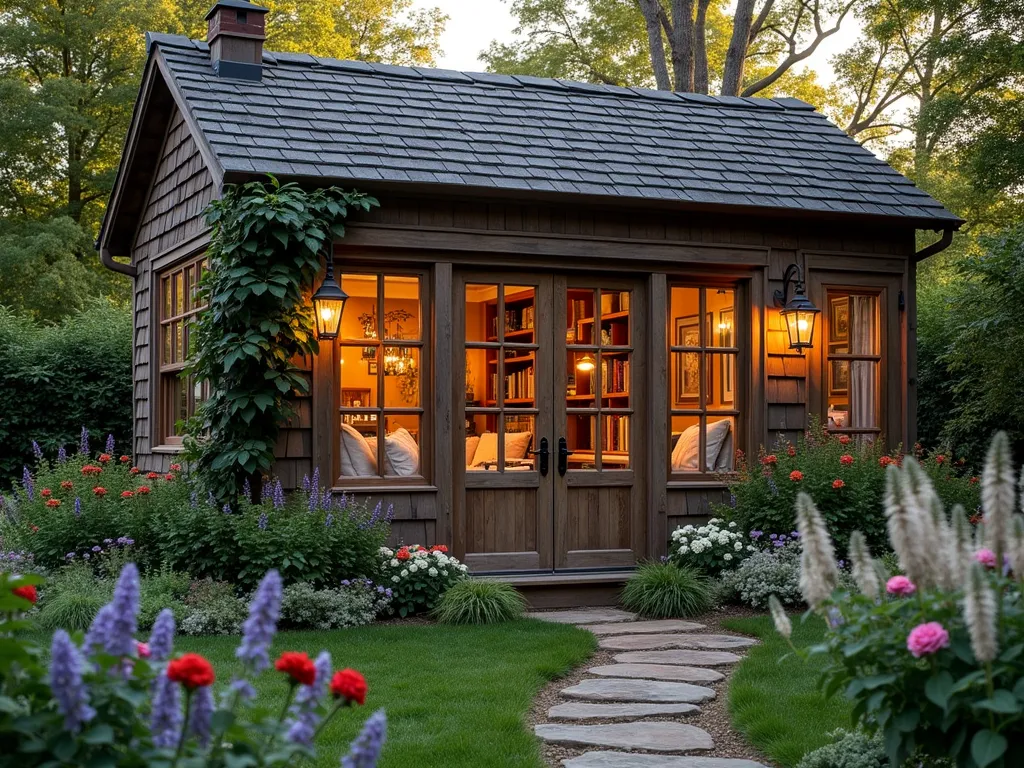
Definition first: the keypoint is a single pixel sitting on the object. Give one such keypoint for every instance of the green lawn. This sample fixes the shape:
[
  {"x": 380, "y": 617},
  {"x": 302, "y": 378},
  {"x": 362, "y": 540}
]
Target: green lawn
[
  {"x": 776, "y": 704},
  {"x": 455, "y": 696}
]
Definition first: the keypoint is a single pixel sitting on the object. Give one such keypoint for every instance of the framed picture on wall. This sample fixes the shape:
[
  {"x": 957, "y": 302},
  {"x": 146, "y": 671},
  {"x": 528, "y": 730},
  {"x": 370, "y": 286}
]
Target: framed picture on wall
[
  {"x": 371, "y": 368},
  {"x": 839, "y": 320},
  {"x": 727, "y": 374},
  {"x": 687, "y": 379},
  {"x": 838, "y": 378}
]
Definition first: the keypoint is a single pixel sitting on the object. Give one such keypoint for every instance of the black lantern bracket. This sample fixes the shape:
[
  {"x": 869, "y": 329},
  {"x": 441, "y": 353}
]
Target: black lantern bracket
[{"x": 794, "y": 275}]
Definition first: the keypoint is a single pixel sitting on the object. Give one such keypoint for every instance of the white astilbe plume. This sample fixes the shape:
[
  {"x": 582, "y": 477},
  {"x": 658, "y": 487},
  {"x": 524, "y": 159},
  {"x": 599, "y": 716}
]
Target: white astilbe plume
[
  {"x": 998, "y": 494},
  {"x": 904, "y": 531},
  {"x": 945, "y": 576},
  {"x": 864, "y": 572},
  {"x": 1016, "y": 547},
  {"x": 924, "y": 509},
  {"x": 959, "y": 547},
  {"x": 818, "y": 572},
  {"x": 980, "y": 615},
  {"x": 782, "y": 623}
]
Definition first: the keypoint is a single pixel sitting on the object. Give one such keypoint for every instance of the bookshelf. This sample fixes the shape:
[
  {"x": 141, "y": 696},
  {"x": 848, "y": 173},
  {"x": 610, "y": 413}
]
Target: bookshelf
[{"x": 519, "y": 382}]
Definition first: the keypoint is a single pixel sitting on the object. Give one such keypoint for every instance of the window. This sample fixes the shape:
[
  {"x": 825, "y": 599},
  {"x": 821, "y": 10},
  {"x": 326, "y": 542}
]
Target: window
[
  {"x": 703, "y": 396},
  {"x": 853, "y": 362},
  {"x": 382, "y": 358},
  {"x": 179, "y": 305}
]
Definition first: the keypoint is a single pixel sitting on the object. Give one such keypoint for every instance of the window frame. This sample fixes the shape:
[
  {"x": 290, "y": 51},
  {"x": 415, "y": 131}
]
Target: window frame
[
  {"x": 877, "y": 292},
  {"x": 424, "y": 345},
  {"x": 741, "y": 349},
  {"x": 166, "y": 409}
]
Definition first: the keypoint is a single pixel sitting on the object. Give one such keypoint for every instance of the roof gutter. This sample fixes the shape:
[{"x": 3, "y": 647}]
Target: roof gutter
[
  {"x": 939, "y": 245},
  {"x": 108, "y": 261}
]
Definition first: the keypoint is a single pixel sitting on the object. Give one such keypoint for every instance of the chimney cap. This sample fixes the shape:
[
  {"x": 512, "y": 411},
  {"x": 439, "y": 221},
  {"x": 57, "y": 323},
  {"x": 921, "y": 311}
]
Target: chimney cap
[{"x": 241, "y": 5}]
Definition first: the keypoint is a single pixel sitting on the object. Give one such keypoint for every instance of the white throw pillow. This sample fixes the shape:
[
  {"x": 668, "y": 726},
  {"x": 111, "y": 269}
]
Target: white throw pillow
[
  {"x": 684, "y": 455},
  {"x": 516, "y": 444},
  {"x": 401, "y": 454},
  {"x": 486, "y": 449},
  {"x": 471, "y": 443},
  {"x": 719, "y": 434},
  {"x": 356, "y": 458}
]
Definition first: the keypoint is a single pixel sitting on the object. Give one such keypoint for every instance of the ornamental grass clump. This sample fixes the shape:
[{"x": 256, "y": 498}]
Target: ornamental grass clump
[
  {"x": 474, "y": 601},
  {"x": 110, "y": 699},
  {"x": 935, "y": 664},
  {"x": 666, "y": 591}
]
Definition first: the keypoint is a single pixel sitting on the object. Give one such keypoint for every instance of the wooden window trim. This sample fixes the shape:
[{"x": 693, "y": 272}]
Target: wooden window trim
[
  {"x": 703, "y": 478},
  {"x": 165, "y": 411},
  {"x": 382, "y": 482}
]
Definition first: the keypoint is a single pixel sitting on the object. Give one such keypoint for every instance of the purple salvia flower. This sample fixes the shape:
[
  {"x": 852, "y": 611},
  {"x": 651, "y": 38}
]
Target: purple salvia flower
[
  {"x": 62, "y": 454},
  {"x": 305, "y": 483},
  {"x": 193, "y": 500},
  {"x": 329, "y": 520},
  {"x": 120, "y": 639},
  {"x": 226, "y": 509},
  {"x": 110, "y": 445},
  {"x": 70, "y": 693},
  {"x": 365, "y": 750},
  {"x": 78, "y": 507},
  {"x": 314, "y": 490},
  {"x": 304, "y": 715},
  {"x": 161, "y": 639},
  {"x": 278, "y": 499},
  {"x": 246, "y": 489},
  {"x": 243, "y": 690},
  {"x": 200, "y": 715},
  {"x": 342, "y": 501},
  {"x": 262, "y": 521},
  {"x": 96, "y": 637},
  {"x": 26, "y": 483},
  {"x": 83, "y": 442},
  {"x": 773, "y": 487},
  {"x": 36, "y": 450},
  {"x": 391, "y": 513},
  {"x": 165, "y": 725},
  {"x": 266, "y": 490},
  {"x": 258, "y": 630},
  {"x": 732, "y": 500},
  {"x": 210, "y": 499},
  {"x": 755, "y": 535}
]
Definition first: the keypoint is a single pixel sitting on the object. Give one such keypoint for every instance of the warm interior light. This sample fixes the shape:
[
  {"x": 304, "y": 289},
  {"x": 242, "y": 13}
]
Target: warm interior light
[
  {"x": 798, "y": 313},
  {"x": 328, "y": 306},
  {"x": 585, "y": 363},
  {"x": 802, "y": 324}
]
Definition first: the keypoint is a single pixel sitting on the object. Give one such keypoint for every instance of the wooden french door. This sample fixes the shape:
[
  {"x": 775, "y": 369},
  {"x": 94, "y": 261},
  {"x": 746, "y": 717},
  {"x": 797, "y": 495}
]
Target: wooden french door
[{"x": 547, "y": 447}]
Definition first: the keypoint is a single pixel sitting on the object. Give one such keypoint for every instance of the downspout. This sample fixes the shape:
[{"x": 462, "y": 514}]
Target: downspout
[
  {"x": 939, "y": 245},
  {"x": 108, "y": 261}
]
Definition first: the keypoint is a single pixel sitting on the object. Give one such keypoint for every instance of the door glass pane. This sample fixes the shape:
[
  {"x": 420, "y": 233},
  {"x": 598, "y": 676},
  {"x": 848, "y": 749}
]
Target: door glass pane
[
  {"x": 520, "y": 378},
  {"x": 721, "y": 376},
  {"x": 580, "y": 435},
  {"x": 721, "y": 317},
  {"x": 520, "y": 314},
  {"x": 360, "y": 320},
  {"x": 615, "y": 315},
  {"x": 481, "y": 451},
  {"x": 581, "y": 378},
  {"x": 481, "y": 312},
  {"x": 580, "y": 306},
  {"x": 520, "y": 439},
  {"x": 615, "y": 441},
  {"x": 402, "y": 308},
  {"x": 685, "y": 443},
  {"x": 615, "y": 379}
]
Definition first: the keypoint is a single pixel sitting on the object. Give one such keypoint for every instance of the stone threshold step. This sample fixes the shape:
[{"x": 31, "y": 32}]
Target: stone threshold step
[{"x": 604, "y": 759}]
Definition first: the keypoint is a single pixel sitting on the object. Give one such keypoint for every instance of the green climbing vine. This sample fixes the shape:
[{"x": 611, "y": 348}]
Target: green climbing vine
[{"x": 264, "y": 255}]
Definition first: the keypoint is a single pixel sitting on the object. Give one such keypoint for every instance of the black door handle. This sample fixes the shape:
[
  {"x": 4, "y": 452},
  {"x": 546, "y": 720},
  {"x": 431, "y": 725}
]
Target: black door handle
[
  {"x": 563, "y": 456},
  {"x": 543, "y": 453}
]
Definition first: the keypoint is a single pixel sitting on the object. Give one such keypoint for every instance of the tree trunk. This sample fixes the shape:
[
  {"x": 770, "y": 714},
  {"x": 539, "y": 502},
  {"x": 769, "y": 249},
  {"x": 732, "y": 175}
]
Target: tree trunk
[
  {"x": 700, "y": 48},
  {"x": 651, "y": 10},
  {"x": 732, "y": 75},
  {"x": 681, "y": 41}
]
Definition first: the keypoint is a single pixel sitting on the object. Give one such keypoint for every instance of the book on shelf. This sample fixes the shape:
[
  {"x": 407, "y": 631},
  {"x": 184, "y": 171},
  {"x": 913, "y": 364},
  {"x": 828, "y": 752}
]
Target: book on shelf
[
  {"x": 614, "y": 376},
  {"x": 519, "y": 385},
  {"x": 615, "y": 435}
]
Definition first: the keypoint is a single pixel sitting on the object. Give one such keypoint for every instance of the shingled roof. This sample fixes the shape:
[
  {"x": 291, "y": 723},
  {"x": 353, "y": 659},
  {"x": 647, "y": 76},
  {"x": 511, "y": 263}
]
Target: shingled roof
[{"x": 352, "y": 121}]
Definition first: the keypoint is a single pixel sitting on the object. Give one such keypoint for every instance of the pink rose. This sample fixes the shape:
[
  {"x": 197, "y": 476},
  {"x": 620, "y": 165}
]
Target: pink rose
[
  {"x": 143, "y": 650},
  {"x": 900, "y": 586},
  {"x": 925, "y": 639},
  {"x": 986, "y": 557}
]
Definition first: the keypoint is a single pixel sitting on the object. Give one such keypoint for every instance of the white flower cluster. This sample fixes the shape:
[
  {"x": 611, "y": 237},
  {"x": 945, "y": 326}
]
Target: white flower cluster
[
  {"x": 412, "y": 560},
  {"x": 715, "y": 544}
]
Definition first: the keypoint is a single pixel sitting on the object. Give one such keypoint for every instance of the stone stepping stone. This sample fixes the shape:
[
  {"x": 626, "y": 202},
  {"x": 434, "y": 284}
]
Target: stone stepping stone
[
  {"x": 659, "y": 672},
  {"x": 644, "y": 627},
  {"x": 633, "y": 760},
  {"x": 654, "y": 691},
  {"x": 581, "y": 711},
  {"x": 584, "y": 616},
  {"x": 650, "y": 642},
  {"x": 681, "y": 657},
  {"x": 650, "y": 736}
]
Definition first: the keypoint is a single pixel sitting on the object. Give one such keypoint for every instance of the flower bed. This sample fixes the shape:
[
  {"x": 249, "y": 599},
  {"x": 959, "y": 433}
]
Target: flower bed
[
  {"x": 712, "y": 548},
  {"x": 419, "y": 576}
]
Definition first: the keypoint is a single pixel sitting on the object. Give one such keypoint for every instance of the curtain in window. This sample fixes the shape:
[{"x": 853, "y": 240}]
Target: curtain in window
[{"x": 863, "y": 378}]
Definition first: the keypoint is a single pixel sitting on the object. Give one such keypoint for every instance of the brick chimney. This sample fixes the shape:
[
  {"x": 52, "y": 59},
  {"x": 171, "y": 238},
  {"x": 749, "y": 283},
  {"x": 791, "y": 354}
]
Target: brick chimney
[{"x": 235, "y": 33}]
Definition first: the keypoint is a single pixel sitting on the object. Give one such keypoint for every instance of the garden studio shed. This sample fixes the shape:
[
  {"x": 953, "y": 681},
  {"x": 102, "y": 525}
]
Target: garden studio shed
[{"x": 562, "y": 327}]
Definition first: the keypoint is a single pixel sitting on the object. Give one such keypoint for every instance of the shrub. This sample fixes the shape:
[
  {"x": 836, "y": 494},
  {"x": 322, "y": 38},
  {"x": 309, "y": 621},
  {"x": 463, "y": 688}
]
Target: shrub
[
  {"x": 58, "y": 377},
  {"x": 418, "y": 577},
  {"x": 354, "y": 604},
  {"x": 666, "y": 591},
  {"x": 846, "y": 479},
  {"x": 480, "y": 602},
  {"x": 213, "y": 609},
  {"x": 710, "y": 548},
  {"x": 72, "y": 597},
  {"x": 110, "y": 702},
  {"x": 851, "y": 749},
  {"x": 769, "y": 572}
]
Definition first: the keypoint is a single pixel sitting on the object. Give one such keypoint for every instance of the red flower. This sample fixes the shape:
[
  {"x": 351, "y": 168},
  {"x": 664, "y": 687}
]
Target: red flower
[
  {"x": 143, "y": 489},
  {"x": 796, "y": 475},
  {"x": 771, "y": 458},
  {"x": 940, "y": 459},
  {"x": 298, "y": 666},
  {"x": 439, "y": 548},
  {"x": 846, "y": 459},
  {"x": 28, "y": 592},
  {"x": 46, "y": 493},
  {"x": 105, "y": 457},
  {"x": 885, "y": 461},
  {"x": 134, "y": 470},
  {"x": 126, "y": 494},
  {"x": 175, "y": 467},
  {"x": 837, "y": 484},
  {"x": 791, "y": 451},
  {"x": 34, "y": 528},
  {"x": 53, "y": 502},
  {"x": 91, "y": 469},
  {"x": 125, "y": 459},
  {"x": 844, "y": 439},
  {"x": 402, "y": 554},
  {"x": 152, "y": 475},
  {"x": 168, "y": 477},
  {"x": 349, "y": 685},
  {"x": 973, "y": 480},
  {"x": 67, "y": 485},
  {"x": 99, "y": 490},
  {"x": 191, "y": 670}
]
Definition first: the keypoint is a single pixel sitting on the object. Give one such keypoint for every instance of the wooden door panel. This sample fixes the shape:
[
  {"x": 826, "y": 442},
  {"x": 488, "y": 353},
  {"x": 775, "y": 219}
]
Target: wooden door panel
[{"x": 597, "y": 528}]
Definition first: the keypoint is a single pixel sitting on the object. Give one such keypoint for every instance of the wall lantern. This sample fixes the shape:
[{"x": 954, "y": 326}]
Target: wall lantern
[
  {"x": 798, "y": 312},
  {"x": 328, "y": 305}
]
